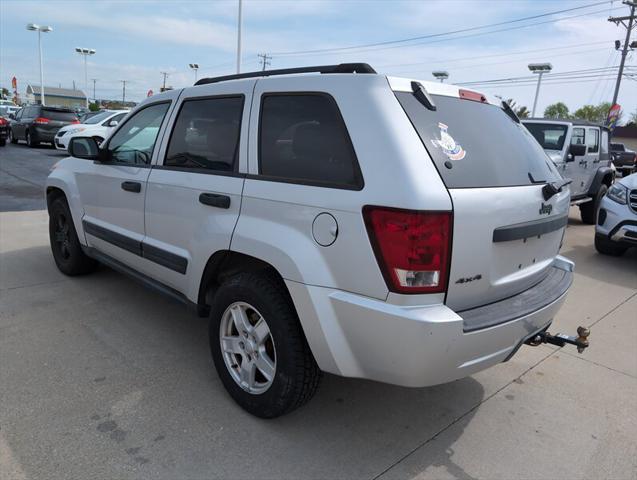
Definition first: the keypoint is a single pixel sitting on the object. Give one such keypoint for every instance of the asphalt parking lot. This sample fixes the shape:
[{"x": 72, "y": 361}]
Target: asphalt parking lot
[{"x": 101, "y": 378}]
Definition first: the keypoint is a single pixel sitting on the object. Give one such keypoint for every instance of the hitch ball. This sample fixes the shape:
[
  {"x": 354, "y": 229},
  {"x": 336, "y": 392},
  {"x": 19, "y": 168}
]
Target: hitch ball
[{"x": 582, "y": 338}]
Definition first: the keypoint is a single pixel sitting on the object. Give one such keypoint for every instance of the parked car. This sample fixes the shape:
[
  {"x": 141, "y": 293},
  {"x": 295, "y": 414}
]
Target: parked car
[
  {"x": 616, "y": 229},
  {"x": 83, "y": 117},
  {"x": 624, "y": 159},
  {"x": 4, "y": 130},
  {"x": 338, "y": 221},
  {"x": 581, "y": 152},
  {"x": 98, "y": 126},
  {"x": 36, "y": 124},
  {"x": 7, "y": 110}
]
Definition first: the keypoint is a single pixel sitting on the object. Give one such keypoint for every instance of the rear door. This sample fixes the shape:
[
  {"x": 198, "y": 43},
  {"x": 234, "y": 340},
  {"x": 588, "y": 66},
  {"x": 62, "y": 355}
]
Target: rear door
[
  {"x": 577, "y": 165},
  {"x": 505, "y": 235},
  {"x": 194, "y": 193}
]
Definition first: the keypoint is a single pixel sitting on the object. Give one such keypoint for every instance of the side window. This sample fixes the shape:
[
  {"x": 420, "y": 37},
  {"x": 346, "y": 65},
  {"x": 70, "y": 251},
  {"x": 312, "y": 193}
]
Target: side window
[
  {"x": 133, "y": 143},
  {"x": 593, "y": 140},
  {"x": 578, "y": 136},
  {"x": 604, "y": 142},
  {"x": 206, "y": 135},
  {"x": 302, "y": 137}
]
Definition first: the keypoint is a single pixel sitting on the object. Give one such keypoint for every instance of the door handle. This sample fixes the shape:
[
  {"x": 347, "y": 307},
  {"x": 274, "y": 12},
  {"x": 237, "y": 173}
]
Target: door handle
[
  {"x": 214, "y": 200},
  {"x": 135, "y": 187}
]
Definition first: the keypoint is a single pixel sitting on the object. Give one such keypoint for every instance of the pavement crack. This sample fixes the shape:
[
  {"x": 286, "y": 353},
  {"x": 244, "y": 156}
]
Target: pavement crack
[
  {"x": 580, "y": 357},
  {"x": 612, "y": 310},
  {"x": 20, "y": 178},
  {"x": 32, "y": 285}
]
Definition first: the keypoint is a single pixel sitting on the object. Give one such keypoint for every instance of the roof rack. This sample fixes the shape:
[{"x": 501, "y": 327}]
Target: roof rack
[{"x": 340, "y": 68}]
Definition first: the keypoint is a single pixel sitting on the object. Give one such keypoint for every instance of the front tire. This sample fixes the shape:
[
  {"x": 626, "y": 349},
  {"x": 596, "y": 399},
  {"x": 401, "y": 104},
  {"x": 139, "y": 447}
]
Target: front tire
[
  {"x": 65, "y": 246},
  {"x": 258, "y": 346},
  {"x": 12, "y": 138},
  {"x": 3, "y": 142},
  {"x": 588, "y": 211}
]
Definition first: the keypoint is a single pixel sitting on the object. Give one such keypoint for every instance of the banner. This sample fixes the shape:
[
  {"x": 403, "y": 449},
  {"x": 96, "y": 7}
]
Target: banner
[{"x": 613, "y": 116}]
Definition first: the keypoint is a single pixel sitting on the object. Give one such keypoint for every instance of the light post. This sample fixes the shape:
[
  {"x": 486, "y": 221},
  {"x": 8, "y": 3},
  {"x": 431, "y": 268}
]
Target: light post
[
  {"x": 195, "y": 67},
  {"x": 540, "y": 69},
  {"x": 85, "y": 52},
  {"x": 40, "y": 29},
  {"x": 239, "y": 39},
  {"x": 441, "y": 75}
]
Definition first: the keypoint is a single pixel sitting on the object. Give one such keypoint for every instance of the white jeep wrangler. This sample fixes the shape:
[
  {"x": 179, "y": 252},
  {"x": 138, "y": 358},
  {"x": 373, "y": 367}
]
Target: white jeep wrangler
[{"x": 326, "y": 219}]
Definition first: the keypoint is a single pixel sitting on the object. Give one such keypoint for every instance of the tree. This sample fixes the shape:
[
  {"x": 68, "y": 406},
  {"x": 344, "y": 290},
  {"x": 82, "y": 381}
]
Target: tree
[
  {"x": 94, "y": 107},
  {"x": 596, "y": 113},
  {"x": 521, "y": 112},
  {"x": 633, "y": 118},
  {"x": 557, "y": 110}
]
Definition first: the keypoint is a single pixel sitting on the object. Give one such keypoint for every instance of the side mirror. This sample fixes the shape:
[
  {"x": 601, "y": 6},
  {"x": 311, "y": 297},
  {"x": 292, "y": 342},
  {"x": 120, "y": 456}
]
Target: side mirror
[
  {"x": 85, "y": 147},
  {"x": 12, "y": 116},
  {"x": 113, "y": 123},
  {"x": 576, "y": 150}
]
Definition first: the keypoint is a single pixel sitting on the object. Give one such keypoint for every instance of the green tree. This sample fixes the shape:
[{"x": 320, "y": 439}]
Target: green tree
[
  {"x": 596, "y": 113},
  {"x": 633, "y": 118},
  {"x": 557, "y": 110},
  {"x": 94, "y": 107},
  {"x": 521, "y": 111}
]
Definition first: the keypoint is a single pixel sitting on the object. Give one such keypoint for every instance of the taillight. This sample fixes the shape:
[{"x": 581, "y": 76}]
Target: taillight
[
  {"x": 471, "y": 95},
  {"x": 412, "y": 247},
  {"x": 75, "y": 121},
  {"x": 41, "y": 121},
  {"x": 3, "y": 121}
]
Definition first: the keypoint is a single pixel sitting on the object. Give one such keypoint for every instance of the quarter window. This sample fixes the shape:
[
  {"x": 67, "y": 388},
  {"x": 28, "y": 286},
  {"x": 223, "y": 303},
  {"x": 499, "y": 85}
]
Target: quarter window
[
  {"x": 206, "y": 135},
  {"x": 593, "y": 140},
  {"x": 578, "y": 137},
  {"x": 133, "y": 143},
  {"x": 303, "y": 138}
]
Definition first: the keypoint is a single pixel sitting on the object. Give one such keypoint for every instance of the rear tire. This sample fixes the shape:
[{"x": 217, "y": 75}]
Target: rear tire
[
  {"x": 588, "y": 210},
  {"x": 31, "y": 142},
  {"x": 65, "y": 246},
  {"x": 606, "y": 246},
  {"x": 3, "y": 142},
  {"x": 12, "y": 139},
  {"x": 262, "y": 298}
]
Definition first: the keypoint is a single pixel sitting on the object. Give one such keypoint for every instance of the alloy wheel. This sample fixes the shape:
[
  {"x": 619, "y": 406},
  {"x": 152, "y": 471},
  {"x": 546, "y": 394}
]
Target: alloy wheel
[
  {"x": 62, "y": 237},
  {"x": 247, "y": 347}
]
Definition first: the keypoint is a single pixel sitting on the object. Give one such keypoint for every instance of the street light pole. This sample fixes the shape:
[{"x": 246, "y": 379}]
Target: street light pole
[
  {"x": 239, "y": 39},
  {"x": 40, "y": 29},
  {"x": 540, "y": 69},
  {"x": 441, "y": 75},
  {"x": 85, "y": 52}
]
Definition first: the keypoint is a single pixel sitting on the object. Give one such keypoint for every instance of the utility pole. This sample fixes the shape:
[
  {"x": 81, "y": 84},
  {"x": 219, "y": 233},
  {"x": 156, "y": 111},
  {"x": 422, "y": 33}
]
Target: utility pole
[
  {"x": 617, "y": 20},
  {"x": 239, "y": 39},
  {"x": 265, "y": 59},
  {"x": 165, "y": 74},
  {"x": 123, "y": 90},
  {"x": 94, "y": 80}
]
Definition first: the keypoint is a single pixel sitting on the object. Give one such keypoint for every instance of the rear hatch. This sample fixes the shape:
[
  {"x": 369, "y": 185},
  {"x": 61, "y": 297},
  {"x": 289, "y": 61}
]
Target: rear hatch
[
  {"x": 505, "y": 234},
  {"x": 52, "y": 119}
]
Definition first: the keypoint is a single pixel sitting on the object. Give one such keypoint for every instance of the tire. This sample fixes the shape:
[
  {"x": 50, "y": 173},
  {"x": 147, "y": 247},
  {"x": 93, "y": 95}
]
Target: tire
[
  {"x": 3, "y": 142},
  {"x": 262, "y": 298},
  {"x": 606, "y": 246},
  {"x": 12, "y": 139},
  {"x": 588, "y": 211},
  {"x": 65, "y": 246},
  {"x": 31, "y": 142}
]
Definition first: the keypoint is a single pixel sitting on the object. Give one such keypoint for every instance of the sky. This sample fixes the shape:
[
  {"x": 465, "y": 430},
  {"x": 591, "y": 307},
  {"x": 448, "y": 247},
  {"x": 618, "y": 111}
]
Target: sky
[{"x": 137, "y": 40}]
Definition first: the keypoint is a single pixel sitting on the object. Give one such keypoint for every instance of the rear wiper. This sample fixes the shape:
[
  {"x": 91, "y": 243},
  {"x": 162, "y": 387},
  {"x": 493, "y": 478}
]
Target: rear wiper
[
  {"x": 553, "y": 188},
  {"x": 422, "y": 96},
  {"x": 509, "y": 111}
]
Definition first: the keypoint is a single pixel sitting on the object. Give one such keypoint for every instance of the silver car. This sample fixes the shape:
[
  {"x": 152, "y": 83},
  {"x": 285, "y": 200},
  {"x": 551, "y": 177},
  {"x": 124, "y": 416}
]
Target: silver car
[{"x": 616, "y": 229}]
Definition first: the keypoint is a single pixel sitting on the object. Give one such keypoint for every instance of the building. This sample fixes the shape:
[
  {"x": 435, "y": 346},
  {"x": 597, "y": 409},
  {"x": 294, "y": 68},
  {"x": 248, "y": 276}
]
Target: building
[
  {"x": 626, "y": 135},
  {"x": 56, "y": 97}
]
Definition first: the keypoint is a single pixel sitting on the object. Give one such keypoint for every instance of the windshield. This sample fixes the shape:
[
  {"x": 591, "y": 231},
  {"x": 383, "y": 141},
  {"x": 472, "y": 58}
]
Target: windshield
[
  {"x": 549, "y": 135},
  {"x": 59, "y": 115},
  {"x": 97, "y": 118},
  {"x": 476, "y": 145}
]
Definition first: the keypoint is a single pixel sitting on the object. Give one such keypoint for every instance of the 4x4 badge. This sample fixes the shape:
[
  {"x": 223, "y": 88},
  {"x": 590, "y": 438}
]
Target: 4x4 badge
[
  {"x": 449, "y": 146},
  {"x": 546, "y": 208}
]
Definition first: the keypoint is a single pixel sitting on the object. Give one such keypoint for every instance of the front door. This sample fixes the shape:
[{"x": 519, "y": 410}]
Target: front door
[
  {"x": 194, "y": 191},
  {"x": 113, "y": 192},
  {"x": 575, "y": 169},
  {"x": 591, "y": 160}
]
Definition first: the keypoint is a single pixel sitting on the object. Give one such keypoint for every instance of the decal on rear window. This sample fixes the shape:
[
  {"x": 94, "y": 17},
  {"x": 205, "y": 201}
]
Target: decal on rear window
[{"x": 449, "y": 146}]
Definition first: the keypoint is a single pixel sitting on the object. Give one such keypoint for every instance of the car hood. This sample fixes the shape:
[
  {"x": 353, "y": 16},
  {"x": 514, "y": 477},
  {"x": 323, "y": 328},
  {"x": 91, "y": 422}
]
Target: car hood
[
  {"x": 554, "y": 155},
  {"x": 630, "y": 182}
]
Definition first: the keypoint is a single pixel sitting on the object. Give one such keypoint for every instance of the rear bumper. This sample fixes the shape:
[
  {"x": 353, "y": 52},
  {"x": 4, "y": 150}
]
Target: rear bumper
[
  {"x": 44, "y": 134},
  {"x": 356, "y": 336}
]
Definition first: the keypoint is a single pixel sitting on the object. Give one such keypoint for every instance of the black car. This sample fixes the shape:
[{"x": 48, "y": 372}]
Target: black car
[
  {"x": 625, "y": 160},
  {"x": 4, "y": 130},
  {"x": 36, "y": 124}
]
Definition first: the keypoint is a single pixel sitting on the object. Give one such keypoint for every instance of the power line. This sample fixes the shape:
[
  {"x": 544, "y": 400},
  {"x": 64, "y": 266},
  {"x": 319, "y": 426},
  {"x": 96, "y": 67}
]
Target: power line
[{"x": 440, "y": 34}]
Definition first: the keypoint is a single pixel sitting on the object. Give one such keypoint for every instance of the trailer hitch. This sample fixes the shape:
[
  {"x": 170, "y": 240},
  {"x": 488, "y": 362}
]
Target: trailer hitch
[{"x": 581, "y": 341}]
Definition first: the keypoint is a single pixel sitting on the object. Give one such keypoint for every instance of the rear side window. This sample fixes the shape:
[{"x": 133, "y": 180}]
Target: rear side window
[
  {"x": 206, "y": 135},
  {"x": 476, "y": 144},
  {"x": 58, "y": 115},
  {"x": 618, "y": 147},
  {"x": 593, "y": 140},
  {"x": 302, "y": 138}
]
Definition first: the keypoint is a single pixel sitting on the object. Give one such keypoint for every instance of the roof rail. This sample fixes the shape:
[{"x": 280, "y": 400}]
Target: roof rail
[{"x": 340, "y": 68}]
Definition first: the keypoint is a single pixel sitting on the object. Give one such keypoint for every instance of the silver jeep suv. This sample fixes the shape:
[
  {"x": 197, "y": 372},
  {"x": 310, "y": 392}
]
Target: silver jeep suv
[{"x": 326, "y": 219}]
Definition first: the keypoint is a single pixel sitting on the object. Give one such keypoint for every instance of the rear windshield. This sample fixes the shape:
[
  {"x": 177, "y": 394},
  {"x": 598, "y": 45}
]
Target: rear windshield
[
  {"x": 549, "y": 135},
  {"x": 97, "y": 118},
  {"x": 59, "y": 115},
  {"x": 618, "y": 147},
  {"x": 475, "y": 144}
]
